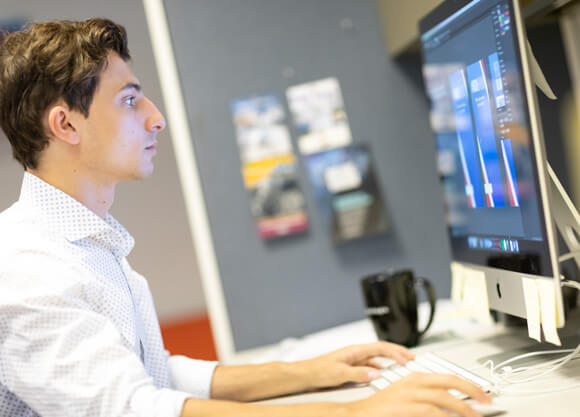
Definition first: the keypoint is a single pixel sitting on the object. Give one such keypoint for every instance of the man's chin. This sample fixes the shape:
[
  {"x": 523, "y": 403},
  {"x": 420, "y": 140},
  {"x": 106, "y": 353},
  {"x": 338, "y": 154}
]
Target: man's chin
[
  {"x": 140, "y": 174},
  {"x": 147, "y": 173}
]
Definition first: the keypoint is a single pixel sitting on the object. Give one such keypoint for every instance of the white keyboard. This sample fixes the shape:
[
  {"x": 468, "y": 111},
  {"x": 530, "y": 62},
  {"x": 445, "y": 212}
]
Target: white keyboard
[{"x": 428, "y": 363}]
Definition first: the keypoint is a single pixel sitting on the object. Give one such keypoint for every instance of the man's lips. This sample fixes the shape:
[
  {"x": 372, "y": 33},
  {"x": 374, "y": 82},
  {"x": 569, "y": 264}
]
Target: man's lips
[{"x": 152, "y": 147}]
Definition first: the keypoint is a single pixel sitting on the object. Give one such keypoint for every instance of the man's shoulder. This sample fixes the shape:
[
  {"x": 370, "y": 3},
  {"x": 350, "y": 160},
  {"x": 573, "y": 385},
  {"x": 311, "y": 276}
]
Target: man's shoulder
[
  {"x": 25, "y": 241},
  {"x": 36, "y": 262},
  {"x": 19, "y": 227},
  {"x": 11, "y": 214}
]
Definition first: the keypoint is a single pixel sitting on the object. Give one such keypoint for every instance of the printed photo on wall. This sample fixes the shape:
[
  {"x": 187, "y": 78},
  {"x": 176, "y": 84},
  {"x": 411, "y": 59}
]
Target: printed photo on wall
[
  {"x": 269, "y": 166},
  {"x": 348, "y": 193},
  {"x": 319, "y": 116}
]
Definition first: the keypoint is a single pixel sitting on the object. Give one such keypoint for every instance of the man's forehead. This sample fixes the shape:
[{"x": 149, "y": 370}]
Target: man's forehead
[{"x": 118, "y": 75}]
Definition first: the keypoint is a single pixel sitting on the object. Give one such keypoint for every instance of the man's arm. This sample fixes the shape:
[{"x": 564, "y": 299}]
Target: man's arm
[
  {"x": 351, "y": 364},
  {"x": 417, "y": 395}
]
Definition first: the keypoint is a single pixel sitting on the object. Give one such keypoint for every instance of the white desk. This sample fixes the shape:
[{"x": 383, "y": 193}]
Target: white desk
[{"x": 458, "y": 340}]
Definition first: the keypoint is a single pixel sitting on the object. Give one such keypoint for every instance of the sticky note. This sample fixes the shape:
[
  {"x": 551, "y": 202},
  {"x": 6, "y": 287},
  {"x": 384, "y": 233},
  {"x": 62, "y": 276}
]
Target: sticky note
[
  {"x": 532, "y": 301},
  {"x": 456, "y": 283},
  {"x": 475, "y": 299},
  {"x": 548, "y": 310},
  {"x": 469, "y": 292}
]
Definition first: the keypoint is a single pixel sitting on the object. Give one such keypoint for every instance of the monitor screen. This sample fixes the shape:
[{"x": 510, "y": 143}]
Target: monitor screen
[
  {"x": 491, "y": 156},
  {"x": 480, "y": 114}
]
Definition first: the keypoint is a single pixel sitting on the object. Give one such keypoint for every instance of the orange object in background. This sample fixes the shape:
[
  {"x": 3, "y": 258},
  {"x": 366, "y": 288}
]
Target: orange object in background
[{"x": 189, "y": 336}]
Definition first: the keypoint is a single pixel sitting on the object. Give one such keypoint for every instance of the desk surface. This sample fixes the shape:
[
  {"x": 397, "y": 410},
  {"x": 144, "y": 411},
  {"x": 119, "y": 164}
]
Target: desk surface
[{"x": 466, "y": 344}]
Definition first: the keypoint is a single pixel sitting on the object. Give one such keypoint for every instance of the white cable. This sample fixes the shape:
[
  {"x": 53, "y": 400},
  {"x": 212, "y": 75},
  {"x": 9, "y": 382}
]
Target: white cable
[
  {"x": 563, "y": 360},
  {"x": 542, "y": 391},
  {"x": 569, "y": 255},
  {"x": 572, "y": 284},
  {"x": 487, "y": 363},
  {"x": 508, "y": 375}
]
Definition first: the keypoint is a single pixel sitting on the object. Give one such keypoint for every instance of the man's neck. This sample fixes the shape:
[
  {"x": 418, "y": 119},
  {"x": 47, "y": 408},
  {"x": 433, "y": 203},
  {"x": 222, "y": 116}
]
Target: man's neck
[{"x": 96, "y": 196}]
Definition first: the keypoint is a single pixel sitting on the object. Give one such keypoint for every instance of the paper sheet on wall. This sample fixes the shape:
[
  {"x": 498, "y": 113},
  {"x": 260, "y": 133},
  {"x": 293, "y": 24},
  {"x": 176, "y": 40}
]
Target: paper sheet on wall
[
  {"x": 346, "y": 188},
  {"x": 269, "y": 167},
  {"x": 319, "y": 116}
]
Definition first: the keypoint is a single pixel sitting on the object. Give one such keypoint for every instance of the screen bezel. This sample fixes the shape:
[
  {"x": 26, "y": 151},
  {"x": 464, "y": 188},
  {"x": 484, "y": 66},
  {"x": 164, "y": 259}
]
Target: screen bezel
[{"x": 505, "y": 291}]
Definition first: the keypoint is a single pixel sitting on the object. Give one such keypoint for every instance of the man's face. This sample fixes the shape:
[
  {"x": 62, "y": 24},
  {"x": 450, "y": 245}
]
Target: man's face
[{"x": 118, "y": 139}]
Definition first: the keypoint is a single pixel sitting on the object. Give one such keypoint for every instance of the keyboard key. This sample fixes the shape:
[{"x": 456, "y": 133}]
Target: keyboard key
[
  {"x": 417, "y": 367},
  {"x": 428, "y": 363},
  {"x": 380, "y": 383},
  {"x": 477, "y": 380},
  {"x": 400, "y": 370},
  {"x": 390, "y": 375},
  {"x": 432, "y": 366}
]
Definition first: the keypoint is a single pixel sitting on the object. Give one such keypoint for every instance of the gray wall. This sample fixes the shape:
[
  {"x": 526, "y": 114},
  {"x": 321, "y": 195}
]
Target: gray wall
[
  {"x": 152, "y": 210},
  {"x": 301, "y": 284}
]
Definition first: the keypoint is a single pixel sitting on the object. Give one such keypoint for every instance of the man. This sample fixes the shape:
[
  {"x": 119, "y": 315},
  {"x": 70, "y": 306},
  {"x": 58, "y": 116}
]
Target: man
[{"x": 78, "y": 331}]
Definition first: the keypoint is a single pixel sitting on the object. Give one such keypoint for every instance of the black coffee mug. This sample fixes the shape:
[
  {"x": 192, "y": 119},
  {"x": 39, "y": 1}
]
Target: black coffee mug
[{"x": 391, "y": 304}]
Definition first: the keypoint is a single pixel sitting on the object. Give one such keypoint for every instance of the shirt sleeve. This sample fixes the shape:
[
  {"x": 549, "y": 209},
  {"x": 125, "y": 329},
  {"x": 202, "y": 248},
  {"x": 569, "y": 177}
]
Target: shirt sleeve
[
  {"x": 192, "y": 376},
  {"x": 62, "y": 359}
]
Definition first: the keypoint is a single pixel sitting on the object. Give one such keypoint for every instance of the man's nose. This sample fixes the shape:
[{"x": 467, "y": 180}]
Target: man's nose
[{"x": 156, "y": 121}]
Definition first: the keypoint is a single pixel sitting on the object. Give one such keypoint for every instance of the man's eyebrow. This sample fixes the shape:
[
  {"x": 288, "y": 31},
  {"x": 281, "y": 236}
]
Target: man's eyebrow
[{"x": 131, "y": 86}]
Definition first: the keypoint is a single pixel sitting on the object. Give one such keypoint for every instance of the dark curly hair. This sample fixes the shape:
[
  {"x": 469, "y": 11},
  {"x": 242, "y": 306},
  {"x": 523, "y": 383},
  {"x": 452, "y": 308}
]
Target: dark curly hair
[{"x": 48, "y": 62}]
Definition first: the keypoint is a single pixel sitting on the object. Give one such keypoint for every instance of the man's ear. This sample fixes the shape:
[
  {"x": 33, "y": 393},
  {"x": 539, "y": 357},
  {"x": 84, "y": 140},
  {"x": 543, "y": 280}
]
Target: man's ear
[{"x": 61, "y": 124}]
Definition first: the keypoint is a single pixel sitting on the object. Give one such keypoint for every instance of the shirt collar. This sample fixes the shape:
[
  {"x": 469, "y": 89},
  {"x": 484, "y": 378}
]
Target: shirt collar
[{"x": 67, "y": 216}]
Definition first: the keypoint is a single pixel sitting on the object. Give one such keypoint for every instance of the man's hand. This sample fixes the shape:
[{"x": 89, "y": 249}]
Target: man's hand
[
  {"x": 420, "y": 395},
  {"x": 417, "y": 395},
  {"x": 352, "y": 364}
]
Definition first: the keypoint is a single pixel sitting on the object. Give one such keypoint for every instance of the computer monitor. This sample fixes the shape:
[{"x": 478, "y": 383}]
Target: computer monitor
[{"x": 491, "y": 155}]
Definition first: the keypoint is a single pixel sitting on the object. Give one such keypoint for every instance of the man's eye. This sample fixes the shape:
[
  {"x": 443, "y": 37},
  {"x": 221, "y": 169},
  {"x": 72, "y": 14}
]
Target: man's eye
[{"x": 130, "y": 101}]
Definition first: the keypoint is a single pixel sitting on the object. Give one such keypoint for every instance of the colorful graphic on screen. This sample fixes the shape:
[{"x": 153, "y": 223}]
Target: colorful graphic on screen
[
  {"x": 485, "y": 135},
  {"x": 510, "y": 171},
  {"x": 497, "y": 81},
  {"x": 466, "y": 140}
]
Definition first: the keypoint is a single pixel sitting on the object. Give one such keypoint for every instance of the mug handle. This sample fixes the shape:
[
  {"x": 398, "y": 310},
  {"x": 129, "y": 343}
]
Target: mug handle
[{"x": 426, "y": 284}]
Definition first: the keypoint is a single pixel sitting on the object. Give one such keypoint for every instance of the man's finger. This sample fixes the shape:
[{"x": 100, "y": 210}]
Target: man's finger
[
  {"x": 361, "y": 374},
  {"x": 374, "y": 364},
  {"x": 447, "y": 382},
  {"x": 401, "y": 357},
  {"x": 442, "y": 399},
  {"x": 386, "y": 349}
]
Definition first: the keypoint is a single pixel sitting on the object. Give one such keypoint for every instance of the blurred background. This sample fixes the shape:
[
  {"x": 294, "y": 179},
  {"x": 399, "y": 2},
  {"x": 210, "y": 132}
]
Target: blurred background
[{"x": 224, "y": 50}]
